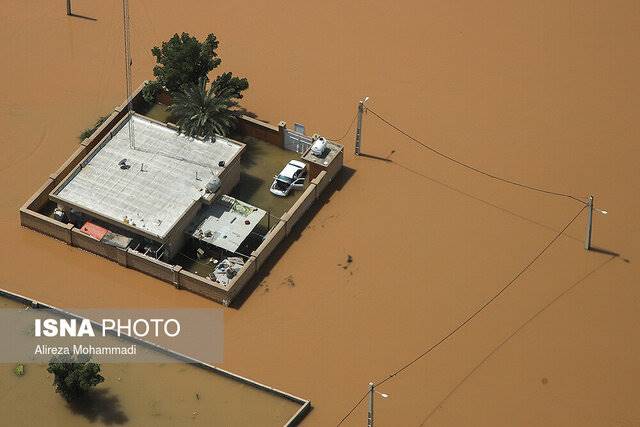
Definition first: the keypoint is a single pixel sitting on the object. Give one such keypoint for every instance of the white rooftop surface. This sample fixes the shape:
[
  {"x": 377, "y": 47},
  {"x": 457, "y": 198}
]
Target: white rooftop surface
[
  {"x": 155, "y": 198},
  {"x": 226, "y": 223}
]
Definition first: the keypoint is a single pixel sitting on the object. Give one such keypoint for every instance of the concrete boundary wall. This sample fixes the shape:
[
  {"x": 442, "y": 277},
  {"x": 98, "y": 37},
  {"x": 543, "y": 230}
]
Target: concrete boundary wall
[
  {"x": 245, "y": 274},
  {"x": 321, "y": 182},
  {"x": 293, "y": 215},
  {"x": 151, "y": 266},
  {"x": 271, "y": 240},
  {"x": 40, "y": 197},
  {"x": 203, "y": 286},
  {"x": 334, "y": 167},
  {"x": 90, "y": 244},
  {"x": 248, "y": 126},
  {"x": 42, "y": 223},
  {"x": 294, "y": 420},
  {"x": 174, "y": 274}
]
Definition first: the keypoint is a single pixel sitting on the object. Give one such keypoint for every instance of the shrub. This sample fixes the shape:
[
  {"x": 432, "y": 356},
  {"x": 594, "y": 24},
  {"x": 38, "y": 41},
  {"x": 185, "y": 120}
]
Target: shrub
[
  {"x": 150, "y": 91},
  {"x": 89, "y": 131}
]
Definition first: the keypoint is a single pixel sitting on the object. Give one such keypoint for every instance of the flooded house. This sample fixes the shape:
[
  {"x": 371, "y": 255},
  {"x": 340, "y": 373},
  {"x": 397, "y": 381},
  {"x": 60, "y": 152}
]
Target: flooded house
[{"x": 199, "y": 214}]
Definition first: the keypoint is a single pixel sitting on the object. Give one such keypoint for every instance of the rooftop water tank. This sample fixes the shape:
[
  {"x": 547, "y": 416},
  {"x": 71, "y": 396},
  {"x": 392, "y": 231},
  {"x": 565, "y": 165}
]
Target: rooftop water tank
[
  {"x": 213, "y": 185},
  {"x": 319, "y": 147}
]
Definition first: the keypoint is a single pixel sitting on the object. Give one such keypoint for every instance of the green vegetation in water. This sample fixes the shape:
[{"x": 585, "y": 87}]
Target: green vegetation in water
[
  {"x": 19, "y": 369},
  {"x": 73, "y": 378},
  {"x": 89, "y": 131}
]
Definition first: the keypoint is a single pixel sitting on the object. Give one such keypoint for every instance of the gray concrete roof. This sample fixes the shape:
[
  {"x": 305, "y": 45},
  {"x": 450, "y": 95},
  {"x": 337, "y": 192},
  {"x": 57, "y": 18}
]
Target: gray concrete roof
[
  {"x": 224, "y": 223},
  {"x": 160, "y": 183}
]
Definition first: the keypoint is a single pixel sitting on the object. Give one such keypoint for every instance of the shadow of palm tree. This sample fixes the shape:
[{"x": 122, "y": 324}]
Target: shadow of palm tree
[{"x": 99, "y": 405}]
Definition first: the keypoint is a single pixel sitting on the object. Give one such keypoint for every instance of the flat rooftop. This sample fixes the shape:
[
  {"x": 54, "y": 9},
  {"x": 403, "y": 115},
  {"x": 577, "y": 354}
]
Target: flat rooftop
[
  {"x": 226, "y": 223},
  {"x": 167, "y": 172}
]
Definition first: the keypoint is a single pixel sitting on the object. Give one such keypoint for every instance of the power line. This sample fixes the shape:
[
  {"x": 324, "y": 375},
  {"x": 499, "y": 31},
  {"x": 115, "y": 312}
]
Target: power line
[
  {"x": 468, "y": 166},
  {"x": 353, "y": 409},
  {"x": 514, "y": 333},
  {"x": 472, "y": 316},
  {"x": 482, "y": 307},
  {"x": 347, "y": 132}
]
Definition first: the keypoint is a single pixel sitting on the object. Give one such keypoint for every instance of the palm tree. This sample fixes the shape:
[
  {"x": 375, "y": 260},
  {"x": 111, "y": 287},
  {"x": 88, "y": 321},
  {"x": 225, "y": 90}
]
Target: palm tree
[{"x": 207, "y": 112}]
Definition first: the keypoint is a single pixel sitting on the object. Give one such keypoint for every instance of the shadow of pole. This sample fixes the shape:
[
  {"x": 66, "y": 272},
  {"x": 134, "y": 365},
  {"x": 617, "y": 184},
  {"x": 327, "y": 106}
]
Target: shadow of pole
[
  {"x": 88, "y": 18},
  {"x": 513, "y": 334},
  {"x": 374, "y": 157},
  {"x": 607, "y": 252}
]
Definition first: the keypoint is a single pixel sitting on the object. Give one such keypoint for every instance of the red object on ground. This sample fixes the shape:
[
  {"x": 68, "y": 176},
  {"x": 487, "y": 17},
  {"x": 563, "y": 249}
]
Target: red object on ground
[{"x": 93, "y": 230}]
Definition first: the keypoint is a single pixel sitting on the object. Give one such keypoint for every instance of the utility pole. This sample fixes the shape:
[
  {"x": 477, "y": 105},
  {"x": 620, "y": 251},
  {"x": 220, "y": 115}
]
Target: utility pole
[
  {"x": 69, "y": 7},
  {"x": 371, "y": 392},
  {"x": 359, "y": 127},
  {"x": 587, "y": 239}
]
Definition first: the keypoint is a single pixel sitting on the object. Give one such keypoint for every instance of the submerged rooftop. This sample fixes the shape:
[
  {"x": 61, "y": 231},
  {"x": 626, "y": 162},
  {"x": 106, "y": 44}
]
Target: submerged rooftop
[{"x": 164, "y": 174}]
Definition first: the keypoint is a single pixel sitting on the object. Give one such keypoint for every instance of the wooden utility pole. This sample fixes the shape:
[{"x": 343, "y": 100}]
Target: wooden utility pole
[{"x": 69, "y": 7}]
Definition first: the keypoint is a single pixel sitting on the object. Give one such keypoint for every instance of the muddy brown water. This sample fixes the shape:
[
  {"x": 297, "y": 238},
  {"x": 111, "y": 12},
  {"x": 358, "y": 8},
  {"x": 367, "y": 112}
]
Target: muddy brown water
[
  {"x": 132, "y": 394},
  {"x": 543, "y": 92}
]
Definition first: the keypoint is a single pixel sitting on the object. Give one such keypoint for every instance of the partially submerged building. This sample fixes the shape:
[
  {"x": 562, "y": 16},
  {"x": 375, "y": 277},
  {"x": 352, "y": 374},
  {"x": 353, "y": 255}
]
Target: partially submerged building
[{"x": 143, "y": 195}]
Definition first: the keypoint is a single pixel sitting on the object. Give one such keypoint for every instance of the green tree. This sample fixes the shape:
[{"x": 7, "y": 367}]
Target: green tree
[
  {"x": 182, "y": 60},
  {"x": 205, "y": 112},
  {"x": 73, "y": 378}
]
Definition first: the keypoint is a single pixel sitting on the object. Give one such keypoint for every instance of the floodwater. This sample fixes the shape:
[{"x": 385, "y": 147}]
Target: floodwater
[
  {"x": 541, "y": 92},
  {"x": 141, "y": 394},
  {"x": 132, "y": 394}
]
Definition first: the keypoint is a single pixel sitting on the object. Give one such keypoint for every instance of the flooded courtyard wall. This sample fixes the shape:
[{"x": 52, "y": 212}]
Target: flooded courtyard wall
[{"x": 174, "y": 274}]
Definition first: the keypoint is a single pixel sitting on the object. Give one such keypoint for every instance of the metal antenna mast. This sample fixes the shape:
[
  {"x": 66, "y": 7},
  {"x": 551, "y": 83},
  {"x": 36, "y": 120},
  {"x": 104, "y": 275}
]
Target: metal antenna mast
[{"x": 127, "y": 59}]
